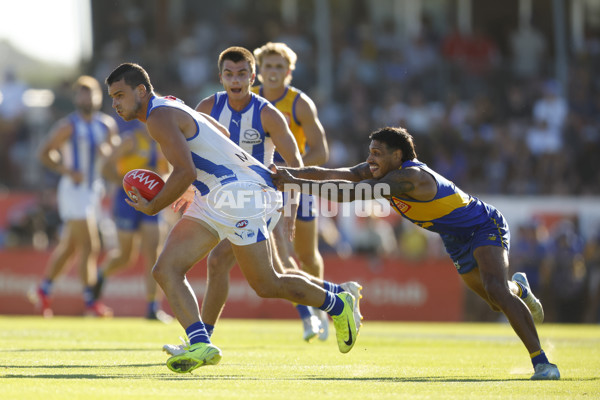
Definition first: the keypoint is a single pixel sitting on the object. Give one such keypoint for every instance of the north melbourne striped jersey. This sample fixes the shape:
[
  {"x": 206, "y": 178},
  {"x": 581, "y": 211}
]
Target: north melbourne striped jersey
[
  {"x": 81, "y": 152},
  {"x": 245, "y": 126},
  {"x": 218, "y": 160}
]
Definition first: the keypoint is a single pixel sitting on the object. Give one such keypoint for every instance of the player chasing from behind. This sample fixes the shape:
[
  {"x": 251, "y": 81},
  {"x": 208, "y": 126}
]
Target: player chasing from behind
[
  {"x": 475, "y": 234},
  {"x": 201, "y": 154}
]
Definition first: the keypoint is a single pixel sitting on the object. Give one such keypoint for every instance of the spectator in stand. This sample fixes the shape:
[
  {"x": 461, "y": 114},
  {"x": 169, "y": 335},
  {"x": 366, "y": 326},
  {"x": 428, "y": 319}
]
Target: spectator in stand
[
  {"x": 545, "y": 138},
  {"x": 528, "y": 51}
]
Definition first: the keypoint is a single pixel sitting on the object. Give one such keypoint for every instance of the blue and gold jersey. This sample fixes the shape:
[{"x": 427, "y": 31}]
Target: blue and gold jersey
[
  {"x": 147, "y": 152},
  {"x": 451, "y": 211},
  {"x": 287, "y": 105}
]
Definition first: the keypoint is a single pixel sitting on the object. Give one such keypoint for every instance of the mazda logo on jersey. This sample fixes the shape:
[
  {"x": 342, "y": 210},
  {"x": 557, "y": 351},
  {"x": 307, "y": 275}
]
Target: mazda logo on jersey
[
  {"x": 251, "y": 136},
  {"x": 241, "y": 224}
]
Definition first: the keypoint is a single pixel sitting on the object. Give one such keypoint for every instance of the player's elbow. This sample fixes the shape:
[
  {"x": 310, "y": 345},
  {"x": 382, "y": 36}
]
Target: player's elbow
[
  {"x": 190, "y": 179},
  {"x": 294, "y": 160},
  {"x": 187, "y": 175}
]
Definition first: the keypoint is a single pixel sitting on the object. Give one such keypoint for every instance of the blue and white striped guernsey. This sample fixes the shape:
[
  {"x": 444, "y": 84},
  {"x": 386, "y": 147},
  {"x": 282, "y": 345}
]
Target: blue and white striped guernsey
[
  {"x": 217, "y": 159},
  {"x": 80, "y": 153},
  {"x": 245, "y": 126}
]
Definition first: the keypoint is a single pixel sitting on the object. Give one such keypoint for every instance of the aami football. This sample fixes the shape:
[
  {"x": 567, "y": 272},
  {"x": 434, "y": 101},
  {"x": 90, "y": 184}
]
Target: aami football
[{"x": 148, "y": 183}]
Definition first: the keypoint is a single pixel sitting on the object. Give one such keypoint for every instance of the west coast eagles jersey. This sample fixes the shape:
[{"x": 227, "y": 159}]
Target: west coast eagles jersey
[
  {"x": 147, "y": 153},
  {"x": 218, "y": 160},
  {"x": 451, "y": 211},
  {"x": 287, "y": 105}
]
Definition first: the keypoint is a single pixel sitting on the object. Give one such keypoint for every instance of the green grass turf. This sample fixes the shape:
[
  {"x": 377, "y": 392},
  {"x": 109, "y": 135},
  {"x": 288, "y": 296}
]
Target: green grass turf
[{"x": 70, "y": 358}]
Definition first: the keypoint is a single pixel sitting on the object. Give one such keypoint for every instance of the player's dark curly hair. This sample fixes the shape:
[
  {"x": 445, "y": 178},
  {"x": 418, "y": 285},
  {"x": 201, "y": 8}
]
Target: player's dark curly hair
[
  {"x": 237, "y": 54},
  {"x": 133, "y": 74},
  {"x": 396, "y": 138}
]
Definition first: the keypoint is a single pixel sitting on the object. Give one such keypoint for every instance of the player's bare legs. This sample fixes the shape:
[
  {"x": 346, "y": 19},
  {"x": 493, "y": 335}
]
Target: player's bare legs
[
  {"x": 490, "y": 281},
  {"x": 88, "y": 240},
  {"x": 189, "y": 241},
  {"x": 78, "y": 238},
  {"x": 123, "y": 255},
  {"x": 66, "y": 248},
  {"x": 284, "y": 248},
  {"x": 149, "y": 248},
  {"x": 306, "y": 246},
  {"x": 219, "y": 263},
  {"x": 255, "y": 261}
]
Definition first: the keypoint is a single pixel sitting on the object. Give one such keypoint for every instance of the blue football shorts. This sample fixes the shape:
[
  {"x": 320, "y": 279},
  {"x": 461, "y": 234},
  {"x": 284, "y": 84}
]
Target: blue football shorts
[
  {"x": 494, "y": 232},
  {"x": 126, "y": 217}
]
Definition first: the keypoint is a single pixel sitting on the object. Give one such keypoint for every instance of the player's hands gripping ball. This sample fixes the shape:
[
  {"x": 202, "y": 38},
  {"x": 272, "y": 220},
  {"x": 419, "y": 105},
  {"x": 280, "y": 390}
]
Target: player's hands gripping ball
[{"x": 148, "y": 184}]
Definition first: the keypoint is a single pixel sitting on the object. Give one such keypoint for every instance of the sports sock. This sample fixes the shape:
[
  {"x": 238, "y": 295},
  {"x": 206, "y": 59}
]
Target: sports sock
[
  {"x": 539, "y": 357},
  {"x": 152, "y": 307},
  {"x": 522, "y": 290},
  {"x": 197, "y": 333},
  {"x": 332, "y": 287},
  {"x": 46, "y": 286},
  {"x": 88, "y": 296},
  {"x": 303, "y": 311},
  {"x": 209, "y": 329},
  {"x": 333, "y": 305}
]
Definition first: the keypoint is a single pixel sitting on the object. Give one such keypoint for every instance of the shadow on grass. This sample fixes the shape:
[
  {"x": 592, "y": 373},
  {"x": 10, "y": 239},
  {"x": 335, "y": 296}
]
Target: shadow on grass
[
  {"x": 212, "y": 377},
  {"x": 71, "y": 350},
  {"x": 81, "y": 366}
]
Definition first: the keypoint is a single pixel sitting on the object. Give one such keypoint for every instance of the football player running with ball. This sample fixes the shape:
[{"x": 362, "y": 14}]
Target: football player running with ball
[{"x": 201, "y": 154}]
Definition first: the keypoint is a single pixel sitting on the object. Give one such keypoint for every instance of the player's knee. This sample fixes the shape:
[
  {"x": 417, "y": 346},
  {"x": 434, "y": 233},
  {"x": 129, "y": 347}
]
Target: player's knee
[
  {"x": 217, "y": 265},
  {"x": 266, "y": 292},
  {"x": 496, "y": 293},
  {"x": 160, "y": 272},
  {"x": 308, "y": 259},
  {"x": 264, "y": 288}
]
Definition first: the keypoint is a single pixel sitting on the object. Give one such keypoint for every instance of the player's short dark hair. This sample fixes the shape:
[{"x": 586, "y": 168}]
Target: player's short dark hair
[
  {"x": 396, "y": 138},
  {"x": 133, "y": 74},
  {"x": 237, "y": 54}
]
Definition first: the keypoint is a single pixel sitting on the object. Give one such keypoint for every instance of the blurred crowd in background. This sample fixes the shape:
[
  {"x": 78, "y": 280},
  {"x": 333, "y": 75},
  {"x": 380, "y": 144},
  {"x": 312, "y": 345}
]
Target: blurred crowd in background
[{"x": 486, "y": 111}]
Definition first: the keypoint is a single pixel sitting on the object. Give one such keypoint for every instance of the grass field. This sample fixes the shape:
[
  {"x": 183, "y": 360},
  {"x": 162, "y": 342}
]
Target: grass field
[{"x": 70, "y": 358}]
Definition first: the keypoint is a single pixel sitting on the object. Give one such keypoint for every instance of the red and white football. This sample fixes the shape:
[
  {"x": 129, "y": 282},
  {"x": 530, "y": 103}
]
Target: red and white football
[{"x": 149, "y": 183}]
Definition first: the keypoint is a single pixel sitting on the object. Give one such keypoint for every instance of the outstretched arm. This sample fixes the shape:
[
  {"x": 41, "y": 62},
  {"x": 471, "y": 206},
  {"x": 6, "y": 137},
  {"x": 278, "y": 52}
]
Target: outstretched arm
[
  {"x": 354, "y": 174},
  {"x": 330, "y": 183},
  {"x": 411, "y": 182}
]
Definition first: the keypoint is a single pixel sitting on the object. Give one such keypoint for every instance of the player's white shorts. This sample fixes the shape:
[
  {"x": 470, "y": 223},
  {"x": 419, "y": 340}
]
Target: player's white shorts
[
  {"x": 78, "y": 201},
  {"x": 244, "y": 212}
]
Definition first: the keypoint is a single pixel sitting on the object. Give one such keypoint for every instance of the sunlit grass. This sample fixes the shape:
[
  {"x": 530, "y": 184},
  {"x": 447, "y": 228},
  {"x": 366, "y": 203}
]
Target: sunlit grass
[{"x": 66, "y": 358}]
